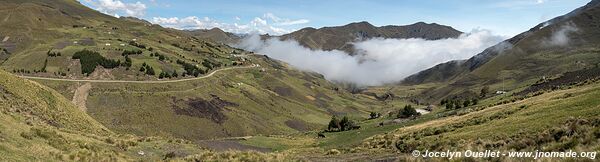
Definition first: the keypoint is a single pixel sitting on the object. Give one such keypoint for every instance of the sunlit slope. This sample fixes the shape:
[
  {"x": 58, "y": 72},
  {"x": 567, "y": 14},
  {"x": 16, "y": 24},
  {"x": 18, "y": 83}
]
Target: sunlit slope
[
  {"x": 268, "y": 99},
  {"x": 566, "y": 43}
]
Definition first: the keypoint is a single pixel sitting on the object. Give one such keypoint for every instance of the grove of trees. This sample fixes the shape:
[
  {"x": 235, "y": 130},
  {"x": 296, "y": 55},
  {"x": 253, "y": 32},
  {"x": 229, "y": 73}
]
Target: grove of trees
[
  {"x": 336, "y": 125},
  {"x": 407, "y": 112},
  {"x": 90, "y": 59}
]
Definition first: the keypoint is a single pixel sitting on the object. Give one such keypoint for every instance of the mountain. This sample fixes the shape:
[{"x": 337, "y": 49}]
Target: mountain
[
  {"x": 215, "y": 34},
  {"x": 563, "y": 44},
  {"x": 339, "y": 37},
  {"x": 143, "y": 79}
]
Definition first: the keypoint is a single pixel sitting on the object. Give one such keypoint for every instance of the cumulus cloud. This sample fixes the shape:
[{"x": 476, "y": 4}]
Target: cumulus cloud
[
  {"x": 116, "y": 7},
  {"x": 267, "y": 24},
  {"x": 381, "y": 60},
  {"x": 560, "y": 37}
]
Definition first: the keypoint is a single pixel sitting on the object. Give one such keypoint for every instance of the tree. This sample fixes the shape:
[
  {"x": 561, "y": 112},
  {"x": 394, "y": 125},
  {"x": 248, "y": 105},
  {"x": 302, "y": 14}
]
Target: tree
[
  {"x": 374, "y": 115},
  {"x": 466, "y": 103},
  {"x": 407, "y": 111},
  {"x": 333, "y": 124},
  {"x": 150, "y": 70},
  {"x": 175, "y": 75},
  {"x": 142, "y": 69},
  {"x": 457, "y": 105},
  {"x": 484, "y": 91},
  {"x": 449, "y": 106},
  {"x": 344, "y": 123},
  {"x": 475, "y": 101}
]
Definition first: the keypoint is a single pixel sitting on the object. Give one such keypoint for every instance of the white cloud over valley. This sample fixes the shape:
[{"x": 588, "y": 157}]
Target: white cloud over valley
[{"x": 381, "y": 60}]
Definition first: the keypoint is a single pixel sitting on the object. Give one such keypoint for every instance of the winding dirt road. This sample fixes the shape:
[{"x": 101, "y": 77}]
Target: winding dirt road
[{"x": 134, "y": 81}]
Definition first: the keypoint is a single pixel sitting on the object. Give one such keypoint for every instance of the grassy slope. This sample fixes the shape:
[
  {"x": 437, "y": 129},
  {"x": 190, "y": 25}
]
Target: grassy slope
[
  {"x": 272, "y": 99},
  {"x": 528, "y": 59},
  {"x": 267, "y": 100},
  {"x": 542, "y": 122},
  {"x": 38, "y": 124}
]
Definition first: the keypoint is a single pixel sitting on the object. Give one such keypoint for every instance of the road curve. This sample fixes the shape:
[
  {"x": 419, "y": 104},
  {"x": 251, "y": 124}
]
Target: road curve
[{"x": 134, "y": 81}]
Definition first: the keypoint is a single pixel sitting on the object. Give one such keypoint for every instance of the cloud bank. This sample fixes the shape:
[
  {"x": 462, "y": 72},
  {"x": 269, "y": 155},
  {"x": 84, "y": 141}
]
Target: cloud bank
[
  {"x": 267, "y": 24},
  {"x": 380, "y": 61}
]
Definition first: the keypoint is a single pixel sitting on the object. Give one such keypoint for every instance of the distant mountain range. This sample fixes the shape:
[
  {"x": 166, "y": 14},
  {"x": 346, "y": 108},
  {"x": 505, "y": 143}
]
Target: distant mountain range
[{"x": 340, "y": 37}]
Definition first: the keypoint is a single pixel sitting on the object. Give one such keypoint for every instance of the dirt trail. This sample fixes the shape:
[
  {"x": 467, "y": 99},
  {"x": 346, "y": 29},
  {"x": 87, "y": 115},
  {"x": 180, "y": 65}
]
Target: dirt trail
[
  {"x": 142, "y": 82},
  {"x": 81, "y": 95}
]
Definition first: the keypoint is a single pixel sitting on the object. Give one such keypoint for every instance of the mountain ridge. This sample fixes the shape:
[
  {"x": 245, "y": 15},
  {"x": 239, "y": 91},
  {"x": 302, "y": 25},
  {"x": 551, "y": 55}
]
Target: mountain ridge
[{"x": 340, "y": 37}]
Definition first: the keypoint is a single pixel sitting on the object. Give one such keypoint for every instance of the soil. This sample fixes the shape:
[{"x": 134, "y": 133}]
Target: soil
[
  {"x": 202, "y": 108},
  {"x": 81, "y": 95},
  {"x": 297, "y": 125},
  {"x": 569, "y": 78}
]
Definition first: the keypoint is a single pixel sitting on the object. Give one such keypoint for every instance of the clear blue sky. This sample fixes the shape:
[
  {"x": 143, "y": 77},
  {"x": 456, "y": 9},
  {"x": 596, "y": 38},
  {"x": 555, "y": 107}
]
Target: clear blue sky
[{"x": 505, "y": 17}]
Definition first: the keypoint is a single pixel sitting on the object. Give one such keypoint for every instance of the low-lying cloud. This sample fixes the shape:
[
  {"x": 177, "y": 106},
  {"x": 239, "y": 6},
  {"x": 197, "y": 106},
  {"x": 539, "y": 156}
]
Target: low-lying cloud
[
  {"x": 560, "y": 37},
  {"x": 380, "y": 61}
]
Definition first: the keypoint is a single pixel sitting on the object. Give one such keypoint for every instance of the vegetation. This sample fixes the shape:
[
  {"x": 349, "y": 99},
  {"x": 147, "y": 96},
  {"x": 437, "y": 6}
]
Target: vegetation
[
  {"x": 407, "y": 112},
  {"x": 458, "y": 103},
  {"x": 90, "y": 59},
  {"x": 336, "y": 125},
  {"x": 53, "y": 54},
  {"x": 190, "y": 69}
]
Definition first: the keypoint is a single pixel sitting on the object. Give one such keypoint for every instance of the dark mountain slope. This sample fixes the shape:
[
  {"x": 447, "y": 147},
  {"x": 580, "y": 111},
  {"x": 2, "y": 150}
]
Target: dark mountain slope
[{"x": 339, "y": 37}]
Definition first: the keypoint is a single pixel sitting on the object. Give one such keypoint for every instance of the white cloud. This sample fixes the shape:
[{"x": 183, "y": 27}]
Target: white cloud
[
  {"x": 540, "y": 1},
  {"x": 284, "y": 22},
  {"x": 262, "y": 25},
  {"x": 382, "y": 60},
  {"x": 116, "y": 7},
  {"x": 561, "y": 36}
]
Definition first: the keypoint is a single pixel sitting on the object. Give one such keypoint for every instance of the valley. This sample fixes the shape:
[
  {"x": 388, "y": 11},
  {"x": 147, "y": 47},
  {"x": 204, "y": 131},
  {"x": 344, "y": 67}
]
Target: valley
[{"x": 78, "y": 84}]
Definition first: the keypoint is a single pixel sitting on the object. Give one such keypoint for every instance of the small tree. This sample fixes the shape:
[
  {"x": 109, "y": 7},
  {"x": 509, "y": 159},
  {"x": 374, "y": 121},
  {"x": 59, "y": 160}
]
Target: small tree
[
  {"x": 484, "y": 91},
  {"x": 175, "y": 75},
  {"x": 374, "y": 115},
  {"x": 407, "y": 111},
  {"x": 344, "y": 123},
  {"x": 150, "y": 70},
  {"x": 475, "y": 101},
  {"x": 466, "y": 103},
  {"x": 457, "y": 105},
  {"x": 333, "y": 124}
]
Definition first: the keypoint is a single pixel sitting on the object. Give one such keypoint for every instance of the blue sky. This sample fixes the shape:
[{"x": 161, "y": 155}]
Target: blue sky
[{"x": 504, "y": 17}]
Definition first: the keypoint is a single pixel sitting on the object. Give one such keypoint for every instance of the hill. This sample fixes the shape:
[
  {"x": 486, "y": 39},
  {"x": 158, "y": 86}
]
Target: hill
[
  {"x": 216, "y": 35},
  {"x": 563, "y": 44},
  {"x": 339, "y": 37},
  {"x": 143, "y": 79}
]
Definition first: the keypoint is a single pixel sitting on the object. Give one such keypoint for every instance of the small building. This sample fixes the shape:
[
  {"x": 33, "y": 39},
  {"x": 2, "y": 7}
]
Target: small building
[
  {"x": 107, "y": 44},
  {"x": 500, "y": 92}
]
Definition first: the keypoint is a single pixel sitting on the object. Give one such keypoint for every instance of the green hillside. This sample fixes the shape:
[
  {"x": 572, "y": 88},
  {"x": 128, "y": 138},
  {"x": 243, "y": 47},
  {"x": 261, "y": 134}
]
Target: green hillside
[
  {"x": 521, "y": 60},
  {"x": 143, "y": 79}
]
